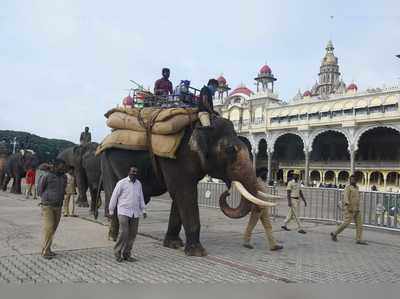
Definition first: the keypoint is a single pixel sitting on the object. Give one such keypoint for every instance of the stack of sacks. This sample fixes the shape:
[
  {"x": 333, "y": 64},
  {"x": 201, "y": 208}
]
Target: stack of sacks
[{"x": 130, "y": 125}]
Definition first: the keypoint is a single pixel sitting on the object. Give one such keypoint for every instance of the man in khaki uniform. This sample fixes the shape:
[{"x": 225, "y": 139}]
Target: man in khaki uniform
[
  {"x": 70, "y": 192},
  {"x": 293, "y": 195},
  {"x": 261, "y": 214},
  {"x": 351, "y": 211}
]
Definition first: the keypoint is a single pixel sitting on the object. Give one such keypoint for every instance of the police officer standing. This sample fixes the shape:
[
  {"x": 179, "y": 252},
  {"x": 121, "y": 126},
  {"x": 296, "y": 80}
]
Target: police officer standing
[
  {"x": 293, "y": 195},
  {"x": 351, "y": 211}
]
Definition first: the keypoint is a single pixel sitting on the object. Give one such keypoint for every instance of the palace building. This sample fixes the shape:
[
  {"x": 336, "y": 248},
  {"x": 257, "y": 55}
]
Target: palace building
[{"x": 327, "y": 132}]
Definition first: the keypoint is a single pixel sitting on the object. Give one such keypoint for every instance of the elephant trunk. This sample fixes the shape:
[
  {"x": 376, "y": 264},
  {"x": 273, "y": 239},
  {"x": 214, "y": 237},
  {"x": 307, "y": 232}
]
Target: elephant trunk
[
  {"x": 240, "y": 171},
  {"x": 242, "y": 175}
]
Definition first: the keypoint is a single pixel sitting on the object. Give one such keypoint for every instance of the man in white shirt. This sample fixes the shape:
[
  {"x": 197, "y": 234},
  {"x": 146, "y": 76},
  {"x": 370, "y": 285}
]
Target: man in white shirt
[{"x": 128, "y": 198}]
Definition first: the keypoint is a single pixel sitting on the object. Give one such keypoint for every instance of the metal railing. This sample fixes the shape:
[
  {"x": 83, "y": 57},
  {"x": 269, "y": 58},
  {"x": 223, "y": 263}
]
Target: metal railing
[
  {"x": 208, "y": 196},
  {"x": 378, "y": 209}
]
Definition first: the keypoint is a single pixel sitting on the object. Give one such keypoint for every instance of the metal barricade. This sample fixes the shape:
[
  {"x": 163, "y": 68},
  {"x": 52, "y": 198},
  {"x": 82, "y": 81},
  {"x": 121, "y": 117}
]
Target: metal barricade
[
  {"x": 209, "y": 192},
  {"x": 378, "y": 209}
]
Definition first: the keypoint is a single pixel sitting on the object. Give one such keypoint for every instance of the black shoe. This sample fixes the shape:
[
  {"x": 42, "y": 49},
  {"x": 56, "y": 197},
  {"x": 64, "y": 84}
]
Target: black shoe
[
  {"x": 276, "y": 247},
  {"x": 47, "y": 256},
  {"x": 130, "y": 259},
  {"x": 52, "y": 254},
  {"x": 119, "y": 259},
  {"x": 362, "y": 242},
  {"x": 302, "y": 231},
  {"x": 285, "y": 228},
  {"x": 248, "y": 246},
  {"x": 333, "y": 237}
]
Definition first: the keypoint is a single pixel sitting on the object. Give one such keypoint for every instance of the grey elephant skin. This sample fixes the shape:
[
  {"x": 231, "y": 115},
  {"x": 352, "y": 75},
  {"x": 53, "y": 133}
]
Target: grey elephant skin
[
  {"x": 218, "y": 152},
  {"x": 16, "y": 167},
  {"x": 86, "y": 169}
]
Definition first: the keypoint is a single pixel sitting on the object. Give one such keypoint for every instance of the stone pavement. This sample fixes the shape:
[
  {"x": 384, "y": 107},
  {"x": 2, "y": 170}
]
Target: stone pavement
[{"x": 85, "y": 255}]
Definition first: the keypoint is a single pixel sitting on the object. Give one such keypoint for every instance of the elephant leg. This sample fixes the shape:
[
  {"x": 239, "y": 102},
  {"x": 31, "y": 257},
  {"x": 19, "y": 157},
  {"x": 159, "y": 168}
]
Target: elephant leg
[
  {"x": 93, "y": 194},
  {"x": 190, "y": 216},
  {"x": 5, "y": 182},
  {"x": 82, "y": 188},
  {"x": 13, "y": 185},
  {"x": 186, "y": 200},
  {"x": 18, "y": 180},
  {"x": 172, "y": 239},
  {"x": 2, "y": 177}
]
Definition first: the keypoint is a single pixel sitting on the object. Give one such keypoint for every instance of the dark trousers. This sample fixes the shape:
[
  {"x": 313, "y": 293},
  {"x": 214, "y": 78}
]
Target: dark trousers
[{"x": 128, "y": 228}]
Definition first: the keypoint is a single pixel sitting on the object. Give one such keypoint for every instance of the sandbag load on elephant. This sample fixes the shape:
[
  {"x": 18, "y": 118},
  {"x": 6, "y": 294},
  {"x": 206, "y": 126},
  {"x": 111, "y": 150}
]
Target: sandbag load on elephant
[
  {"x": 162, "y": 145},
  {"x": 130, "y": 126},
  {"x": 164, "y": 121}
]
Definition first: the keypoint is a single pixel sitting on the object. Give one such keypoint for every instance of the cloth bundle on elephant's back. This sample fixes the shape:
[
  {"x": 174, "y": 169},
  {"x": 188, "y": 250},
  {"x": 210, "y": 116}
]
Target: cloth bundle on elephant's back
[
  {"x": 162, "y": 145},
  {"x": 167, "y": 121}
]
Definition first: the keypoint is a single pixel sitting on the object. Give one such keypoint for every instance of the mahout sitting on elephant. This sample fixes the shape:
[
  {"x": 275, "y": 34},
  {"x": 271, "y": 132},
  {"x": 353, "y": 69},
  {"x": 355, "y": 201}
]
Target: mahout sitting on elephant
[{"x": 223, "y": 156}]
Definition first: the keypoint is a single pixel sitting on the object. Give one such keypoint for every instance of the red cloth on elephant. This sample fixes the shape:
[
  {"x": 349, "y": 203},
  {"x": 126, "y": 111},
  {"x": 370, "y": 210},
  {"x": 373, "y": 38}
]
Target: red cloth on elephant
[{"x": 30, "y": 177}]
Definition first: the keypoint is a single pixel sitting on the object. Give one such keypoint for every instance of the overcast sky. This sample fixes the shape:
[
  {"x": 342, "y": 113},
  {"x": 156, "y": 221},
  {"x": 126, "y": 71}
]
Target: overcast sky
[{"x": 63, "y": 64}]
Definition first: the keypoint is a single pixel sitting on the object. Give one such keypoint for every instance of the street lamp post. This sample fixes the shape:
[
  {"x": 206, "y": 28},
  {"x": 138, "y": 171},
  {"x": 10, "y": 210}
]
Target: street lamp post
[{"x": 14, "y": 143}]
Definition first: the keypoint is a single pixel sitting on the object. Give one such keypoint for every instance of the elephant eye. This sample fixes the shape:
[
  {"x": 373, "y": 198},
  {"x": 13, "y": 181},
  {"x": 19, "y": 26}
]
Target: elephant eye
[{"x": 231, "y": 152}]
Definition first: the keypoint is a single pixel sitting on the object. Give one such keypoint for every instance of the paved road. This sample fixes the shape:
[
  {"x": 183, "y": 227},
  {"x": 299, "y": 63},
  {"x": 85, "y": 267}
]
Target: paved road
[{"x": 85, "y": 255}]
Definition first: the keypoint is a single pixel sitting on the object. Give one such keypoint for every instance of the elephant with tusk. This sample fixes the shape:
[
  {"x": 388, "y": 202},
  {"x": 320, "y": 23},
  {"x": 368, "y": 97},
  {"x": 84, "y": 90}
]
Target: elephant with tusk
[{"x": 217, "y": 152}]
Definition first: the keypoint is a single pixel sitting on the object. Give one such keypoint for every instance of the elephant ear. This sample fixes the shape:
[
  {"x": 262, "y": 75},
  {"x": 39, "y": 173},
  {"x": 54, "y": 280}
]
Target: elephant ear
[{"x": 198, "y": 144}]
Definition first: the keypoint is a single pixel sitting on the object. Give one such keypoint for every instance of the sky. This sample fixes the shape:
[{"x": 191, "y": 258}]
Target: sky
[{"x": 63, "y": 64}]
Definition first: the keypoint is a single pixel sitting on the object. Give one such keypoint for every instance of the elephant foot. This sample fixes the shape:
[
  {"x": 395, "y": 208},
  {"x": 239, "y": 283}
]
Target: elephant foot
[
  {"x": 195, "y": 250},
  {"x": 173, "y": 243}
]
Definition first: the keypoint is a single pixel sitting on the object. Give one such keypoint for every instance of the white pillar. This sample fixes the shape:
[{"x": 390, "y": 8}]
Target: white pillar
[{"x": 307, "y": 168}]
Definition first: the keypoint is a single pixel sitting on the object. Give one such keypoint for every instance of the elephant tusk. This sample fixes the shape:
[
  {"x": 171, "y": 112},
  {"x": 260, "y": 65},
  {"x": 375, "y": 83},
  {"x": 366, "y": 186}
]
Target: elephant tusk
[
  {"x": 246, "y": 194},
  {"x": 268, "y": 197}
]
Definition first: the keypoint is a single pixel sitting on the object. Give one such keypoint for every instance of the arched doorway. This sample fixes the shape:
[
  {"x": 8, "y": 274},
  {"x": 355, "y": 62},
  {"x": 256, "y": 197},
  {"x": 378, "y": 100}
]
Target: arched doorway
[
  {"x": 376, "y": 179},
  {"x": 330, "y": 146},
  {"x": 329, "y": 178},
  {"x": 392, "y": 181},
  {"x": 262, "y": 154},
  {"x": 380, "y": 144},
  {"x": 343, "y": 178},
  {"x": 315, "y": 178},
  {"x": 360, "y": 178},
  {"x": 288, "y": 152}
]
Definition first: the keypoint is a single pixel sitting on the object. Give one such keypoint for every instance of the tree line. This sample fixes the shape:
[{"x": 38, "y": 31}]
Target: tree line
[{"x": 46, "y": 149}]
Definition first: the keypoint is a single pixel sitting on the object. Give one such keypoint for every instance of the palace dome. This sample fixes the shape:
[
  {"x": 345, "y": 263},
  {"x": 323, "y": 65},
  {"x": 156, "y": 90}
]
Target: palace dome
[
  {"x": 352, "y": 86},
  {"x": 265, "y": 69},
  {"x": 241, "y": 89},
  {"x": 221, "y": 80},
  {"x": 307, "y": 93}
]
